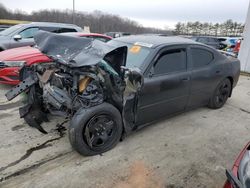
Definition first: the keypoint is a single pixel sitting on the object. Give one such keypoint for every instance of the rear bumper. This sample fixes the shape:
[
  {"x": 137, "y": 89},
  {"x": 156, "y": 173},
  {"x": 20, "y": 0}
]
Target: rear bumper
[{"x": 9, "y": 75}]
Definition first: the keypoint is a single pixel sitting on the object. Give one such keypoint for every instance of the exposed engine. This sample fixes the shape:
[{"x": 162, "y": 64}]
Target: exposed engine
[{"x": 85, "y": 73}]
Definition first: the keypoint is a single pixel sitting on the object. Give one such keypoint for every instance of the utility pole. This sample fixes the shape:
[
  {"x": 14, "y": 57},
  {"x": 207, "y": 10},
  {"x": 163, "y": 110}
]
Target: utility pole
[{"x": 73, "y": 15}]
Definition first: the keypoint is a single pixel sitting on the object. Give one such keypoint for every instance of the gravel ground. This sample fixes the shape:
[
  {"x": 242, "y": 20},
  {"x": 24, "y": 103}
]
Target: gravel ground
[{"x": 189, "y": 150}]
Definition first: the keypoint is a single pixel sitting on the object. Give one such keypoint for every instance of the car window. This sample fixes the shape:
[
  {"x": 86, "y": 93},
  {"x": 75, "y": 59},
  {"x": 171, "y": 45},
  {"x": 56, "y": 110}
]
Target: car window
[
  {"x": 50, "y": 29},
  {"x": 222, "y": 39},
  {"x": 203, "y": 40},
  {"x": 29, "y": 33},
  {"x": 171, "y": 61},
  {"x": 66, "y": 30},
  {"x": 103, "y": 39},
  {"x": 213, "y": 40},
  {"x": 194, "y": 38},
  {"x": 201, "y": 57},
  {"x": 136, "y": 55},
  {"x": 232, "y": 41}
]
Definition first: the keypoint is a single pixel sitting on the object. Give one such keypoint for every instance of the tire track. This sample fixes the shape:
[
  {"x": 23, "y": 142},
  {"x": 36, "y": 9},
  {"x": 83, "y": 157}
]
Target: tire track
[
  {"x": 34, "y": 166},
  {"x": 29, "y": 152},
  {"x": 10, "y": 105}
]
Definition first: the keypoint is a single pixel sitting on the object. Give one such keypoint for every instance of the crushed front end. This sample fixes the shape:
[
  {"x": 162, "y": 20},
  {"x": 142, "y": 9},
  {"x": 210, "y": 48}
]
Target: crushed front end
[{"x": 85, "y": 73}]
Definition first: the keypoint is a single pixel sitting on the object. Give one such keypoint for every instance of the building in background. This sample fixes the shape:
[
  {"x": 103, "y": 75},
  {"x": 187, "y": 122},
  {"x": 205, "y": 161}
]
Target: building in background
[{"x": 244, "y": 54}]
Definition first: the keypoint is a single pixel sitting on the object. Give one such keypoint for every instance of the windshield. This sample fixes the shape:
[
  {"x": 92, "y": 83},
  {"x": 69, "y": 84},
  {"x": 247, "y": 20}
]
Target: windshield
[
  {"x": 136, "y": 54},
  {"x": 10, "y": 30}
]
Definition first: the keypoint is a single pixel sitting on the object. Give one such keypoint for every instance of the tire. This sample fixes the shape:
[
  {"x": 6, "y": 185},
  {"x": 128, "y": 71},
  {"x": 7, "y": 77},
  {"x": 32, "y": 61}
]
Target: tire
[
  {"x": 95, "y": 130},
  {"x": 221, "y": 94}
]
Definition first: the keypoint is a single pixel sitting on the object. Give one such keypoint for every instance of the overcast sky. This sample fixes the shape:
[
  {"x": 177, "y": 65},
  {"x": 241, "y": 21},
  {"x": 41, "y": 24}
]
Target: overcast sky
[{"x": 152, "y": 13}]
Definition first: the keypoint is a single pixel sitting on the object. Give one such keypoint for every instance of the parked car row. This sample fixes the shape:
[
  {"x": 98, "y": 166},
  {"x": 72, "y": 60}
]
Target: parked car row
[
  {"x": 109, "y": 88},
  {"x": 22, "y": 34},
  {"x": 228, "y": 44},
  {"x": 3, "y": 27},
  {"x": 236, "y": 49},
  {"x": 210, "y": 41}
]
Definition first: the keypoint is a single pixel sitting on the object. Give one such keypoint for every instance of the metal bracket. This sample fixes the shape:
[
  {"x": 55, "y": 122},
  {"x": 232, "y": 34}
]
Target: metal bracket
[{"x": 21, "y": 87}]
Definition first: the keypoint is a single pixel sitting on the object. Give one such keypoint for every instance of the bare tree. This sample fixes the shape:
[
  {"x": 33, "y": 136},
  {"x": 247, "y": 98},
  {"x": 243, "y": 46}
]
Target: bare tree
[
  {"x": 97, "y": 21},
  {"x": 227, "y": 28}
]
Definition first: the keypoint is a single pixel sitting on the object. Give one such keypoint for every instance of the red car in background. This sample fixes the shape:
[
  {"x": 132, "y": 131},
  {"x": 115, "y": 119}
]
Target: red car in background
[
  {"x": 239, "y": 176},
  {"x": 237, "y": 46},
  {"x": 12, "y": 60}
]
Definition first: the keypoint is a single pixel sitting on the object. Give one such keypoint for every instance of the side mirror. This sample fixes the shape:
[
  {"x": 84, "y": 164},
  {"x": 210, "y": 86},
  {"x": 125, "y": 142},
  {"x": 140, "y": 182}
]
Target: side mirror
[
  {"x": 134, "y": 80},
  {"x": 17, "y": 37},
  {"x": 151, "y": 72}
]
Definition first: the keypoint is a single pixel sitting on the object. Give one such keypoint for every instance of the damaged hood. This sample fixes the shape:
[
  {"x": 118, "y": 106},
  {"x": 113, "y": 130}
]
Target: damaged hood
[{"x": 78, "y": 52}]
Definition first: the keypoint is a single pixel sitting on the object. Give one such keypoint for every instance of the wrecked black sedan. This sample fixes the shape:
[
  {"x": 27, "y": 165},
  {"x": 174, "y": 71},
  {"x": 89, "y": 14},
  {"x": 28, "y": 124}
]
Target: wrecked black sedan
[{"x": 108, "y": 90}]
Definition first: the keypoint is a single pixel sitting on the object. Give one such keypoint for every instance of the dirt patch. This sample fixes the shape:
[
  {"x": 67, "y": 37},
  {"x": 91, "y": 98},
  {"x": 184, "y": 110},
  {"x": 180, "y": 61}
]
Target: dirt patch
[{"x": 140, "y": 176}]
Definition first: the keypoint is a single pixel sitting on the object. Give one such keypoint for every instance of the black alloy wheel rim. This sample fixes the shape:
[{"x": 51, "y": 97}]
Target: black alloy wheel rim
[
  {"x": 222, "y": 93},
  {"x": 100, "y": 131}
]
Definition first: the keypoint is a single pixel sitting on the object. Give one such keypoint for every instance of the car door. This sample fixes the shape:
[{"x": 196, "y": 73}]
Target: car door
[
  {"x": 204, "y": 74},
  {"x": 166, "y": 85},
  {"x": 27, "y": 37}
]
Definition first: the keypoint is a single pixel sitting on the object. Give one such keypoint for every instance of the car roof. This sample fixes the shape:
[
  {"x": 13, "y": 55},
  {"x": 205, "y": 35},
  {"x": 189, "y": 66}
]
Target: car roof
[
  {"x": 50, "y": 24},
  {"x": 154, "y": 41},
  {"x": 82, "y": 34},
  {"x": 205, "y": 37}
]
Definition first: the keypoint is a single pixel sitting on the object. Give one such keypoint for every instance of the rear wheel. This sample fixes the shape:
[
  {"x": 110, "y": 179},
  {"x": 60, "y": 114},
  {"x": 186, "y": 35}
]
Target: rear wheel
[
  {"x": 221, "y": 94},
  {"x": 95, "y": 130}
]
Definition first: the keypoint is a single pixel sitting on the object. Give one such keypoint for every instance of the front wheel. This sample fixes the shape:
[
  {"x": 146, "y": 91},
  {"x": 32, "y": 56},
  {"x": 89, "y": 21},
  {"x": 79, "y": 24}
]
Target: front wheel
[
  {"x": 221, "y": 94},
  {"x": 95, "y": 130}
]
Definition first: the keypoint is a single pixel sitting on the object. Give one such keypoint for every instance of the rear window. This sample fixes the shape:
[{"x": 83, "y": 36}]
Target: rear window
[
  {"x": 66, "y": 30},
  {"x": 103, "y": 39},
  {"x": 222, "y": 39},
  {"x": 136, "y": 53},
  {"x": 213, "y": 40},
  {"x": 203, "y": 40},
  {"x": 201, "y": 57},
  {"x": 194, "y": 38},
  {"x": 50, "y": 29}
]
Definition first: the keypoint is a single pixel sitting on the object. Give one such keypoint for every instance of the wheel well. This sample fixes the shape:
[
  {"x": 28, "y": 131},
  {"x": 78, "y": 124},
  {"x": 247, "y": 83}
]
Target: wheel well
[{"x": 232, "y": 81}]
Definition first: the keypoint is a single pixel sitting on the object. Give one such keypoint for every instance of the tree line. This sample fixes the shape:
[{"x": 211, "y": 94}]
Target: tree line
[
  {"x": 98, "y": 21},
  {"x": 228, "y": 28}
]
